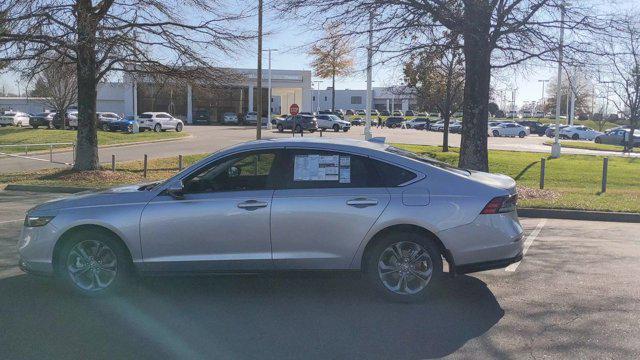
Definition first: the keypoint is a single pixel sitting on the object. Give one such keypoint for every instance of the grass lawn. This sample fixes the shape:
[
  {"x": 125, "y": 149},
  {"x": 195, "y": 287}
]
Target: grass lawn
[
  {"x": 588, "y": 146},
  {"x": 15, "y": 135},
  {"x": 572, "y": 180}
]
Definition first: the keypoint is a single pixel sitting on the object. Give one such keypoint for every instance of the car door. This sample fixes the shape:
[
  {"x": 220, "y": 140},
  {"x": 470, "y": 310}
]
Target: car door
[
  {"x": 221, "y": 222},
  {"x": 324, "y": 207}
]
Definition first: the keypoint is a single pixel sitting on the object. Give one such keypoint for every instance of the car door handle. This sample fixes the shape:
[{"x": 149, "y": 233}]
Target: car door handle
[
  {"x": 252, "y": 204},
  {"x": 362, "y": 202}
]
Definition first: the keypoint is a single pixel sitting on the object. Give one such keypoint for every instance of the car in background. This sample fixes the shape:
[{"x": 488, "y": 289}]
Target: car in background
[
  {"x": 385, "y": 113},
  {"x": 330, "y": 121},
  {"x": 361, "y": 112},
  {"x": 621, "y": 127},
  {"x": 410, "y": 113},
  {"x": 160, "y": 121},
  {"x": 357, "y": 121},
  {"x": 394, "y": 122},
  {"x": 230, "y": 118},
  {"x": 551, "y": 130},
  {"x": 511, "y": 114},
  {"x": 398, "y": 113},
  {"x": 455, "y": 127},
  {"x": 202, "y": 117},
  {"x": 411, "y": 124},
  {"x": 14, "y": 118},
  {"x": 437, "y": 126},
  {"x": 43, "y": 119},
  {"x": 125, "y": 124},
  {"x": 260, "y": 201},
  {"x": 73, "y": 118},
  {"x": 510, "y": 130},
  {"x": 298, "y": 123},
  {"x": 59, "y": 119},
  {"x": 252, "y": 118},
  {"x": 350, "y": 112},
  {"x": 536, "y": 127},
  {"x": 579, "y": 132},
  {"x": 104, "y": 118},
  {"x": 276, "y": 120},
  {"x": 618, "y": 137},
  {"x": 423, "y": 126}
]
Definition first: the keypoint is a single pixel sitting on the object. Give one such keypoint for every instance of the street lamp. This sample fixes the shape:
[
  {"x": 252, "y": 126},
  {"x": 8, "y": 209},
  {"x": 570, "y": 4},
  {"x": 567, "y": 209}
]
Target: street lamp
[
  {"x": 367, "y": 127},
  {"x": 556, "y": 148},
  {"x": 259, "y": 75},
  {"x": 544, "y": 102},
  {"x": 318, "y": 82},
  {"x": 270, "y": 96}
]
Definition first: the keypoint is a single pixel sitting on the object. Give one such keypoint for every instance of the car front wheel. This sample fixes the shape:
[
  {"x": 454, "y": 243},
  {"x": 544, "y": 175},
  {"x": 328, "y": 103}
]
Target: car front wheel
[
  {"x": 404, "y": 267},
  {"x": 105, "y": 127},
  {"x": 575, "y": 137},
  {"x": 93, "y": 264},
  {"x": 522, "y": 134},
  {"x": 280, "y": 128},
  {"x": 336, "y": 127},
  {"x": 178, "y": 127},
  {"x": 496, "y": 133}
]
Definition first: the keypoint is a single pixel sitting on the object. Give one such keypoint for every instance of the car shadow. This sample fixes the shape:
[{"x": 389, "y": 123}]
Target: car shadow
[{"x": 299, "y": 315}]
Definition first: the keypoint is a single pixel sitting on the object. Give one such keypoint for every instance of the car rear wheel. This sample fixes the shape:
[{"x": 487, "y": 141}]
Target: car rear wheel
[
  {"x": 496, "y": 133},
  {"x": 298, "y": 129},
  {"x": 575, "y": 137},
  {"x": 280, "y": 128},
  {"x": 393, "y": 126},
  {"x": 178, "y": 127},
  {"x": 522, "y": 134},
  {"x": 93, "y": 263},
  {"x": 598, "y": 140},
  {"x": 157, "y": 128},
  {"x": 105, "y": 127},
  {"x": 404, "y": 267},
  {"x": 34, "y": 126}
]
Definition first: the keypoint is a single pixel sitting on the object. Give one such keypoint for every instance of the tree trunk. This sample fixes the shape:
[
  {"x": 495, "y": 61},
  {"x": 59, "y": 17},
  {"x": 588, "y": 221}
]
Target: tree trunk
[
  {"x": 473, "y": 146},
  {"x": 87, "y": 137},
  {"x": 333, "y": 92},
  {"x": 445, "y": 136}
]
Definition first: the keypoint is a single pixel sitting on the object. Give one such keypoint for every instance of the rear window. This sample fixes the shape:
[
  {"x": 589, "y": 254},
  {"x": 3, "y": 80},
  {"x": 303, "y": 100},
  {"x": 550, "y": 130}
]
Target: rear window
[{"x": 145, "y": 116}]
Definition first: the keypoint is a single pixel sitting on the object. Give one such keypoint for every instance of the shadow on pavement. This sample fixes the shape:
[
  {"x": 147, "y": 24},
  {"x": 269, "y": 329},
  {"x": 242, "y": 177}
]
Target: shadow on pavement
[{"x": 302, "y": 316}]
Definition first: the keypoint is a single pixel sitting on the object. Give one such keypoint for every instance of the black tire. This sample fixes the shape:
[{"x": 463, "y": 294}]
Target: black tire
[
  {"x": 34, "y": 126},
  {"x": 345, "y": 129},
  {"x": 157, "y": 127},
  {"x": 280, "y": 128},
  {"x": 336, "y": 127},
  {"x": 298, "y": 129},
  {"x": 496, "y": 133},
  {"x": 597, "y": 140},
  {"x": 124, "y": 265},
  {"x": 105, "y": 127},
  {"x": 393, "y": 126},
  {"x": 312, "y": 130},
  {"x": 522, "y": 134},
  {"x": 179, "y": 127},
  {"x": 141, "y": 129},
  {"x": 540, "y": 134},
  {"x": 575, "y": 137},
  {"x": 19, "y": 124},
  {"x": 373, "y": 255}
]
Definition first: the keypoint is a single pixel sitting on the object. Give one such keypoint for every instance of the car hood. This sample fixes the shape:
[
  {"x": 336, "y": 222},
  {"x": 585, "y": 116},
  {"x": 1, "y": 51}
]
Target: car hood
[{"x": 113, "y": 196}]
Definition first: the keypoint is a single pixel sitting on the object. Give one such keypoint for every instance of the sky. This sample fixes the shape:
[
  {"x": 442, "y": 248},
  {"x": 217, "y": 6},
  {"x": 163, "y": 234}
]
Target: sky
[{"x": 291, "y": 39}]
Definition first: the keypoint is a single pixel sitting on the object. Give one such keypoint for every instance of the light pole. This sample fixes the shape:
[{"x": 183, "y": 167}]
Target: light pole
[
  {"x": 544, "y": 102},
  {"x": 556, "y": 148},
  {"x": 318, "y": 82},
  {"x": 259, "y": 75},
  {"x": 367, "y": 126},
  {"x": 270, "y": 96}
]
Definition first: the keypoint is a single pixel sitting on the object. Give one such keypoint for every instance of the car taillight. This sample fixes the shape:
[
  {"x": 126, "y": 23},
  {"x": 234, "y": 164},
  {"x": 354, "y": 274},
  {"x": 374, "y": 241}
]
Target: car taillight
[{"x": 501, "y": 204}]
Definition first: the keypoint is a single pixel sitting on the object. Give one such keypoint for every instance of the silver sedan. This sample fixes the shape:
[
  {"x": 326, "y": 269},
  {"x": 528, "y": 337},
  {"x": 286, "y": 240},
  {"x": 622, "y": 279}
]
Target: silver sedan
[{"x": 286, "y": 204}]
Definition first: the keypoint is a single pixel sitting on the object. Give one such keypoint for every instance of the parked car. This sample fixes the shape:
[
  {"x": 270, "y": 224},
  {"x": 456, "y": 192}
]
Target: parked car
[
  {"x": 252, "y": 118},
  {"x": 455, "y": 127},
  {"x": 43, "y": 119},
  {"x": 361, "y": 112},
  {"x": 551, "y": 130},
  {"x": 202, "y": 117},
  {"x": 398, "y": 113},
  {"x": 247, "y": 208},
  {"x": 339, "y": 113},
  {"x": 72, "y": 114},
  {"x": 423, "y": 126},
  {"x": 159, "y": 121},
  {"x": 375, "y": 112},
  {"x": 350, "y": 112},
  {"x": 394, "y": 121},
  {"x": 358, "y": 121},
  {"x": 618, "y": 137},
  {"x": 621, "y": 127},
  {"x": 125, "y": 124},
  {"x": 410, "y": 113},
  {"x": 276, "y": 120},
  {"x": 535, "y": 127},
  {"x": 579, "y": 132},
  {"x": 511, "y": 114},
  {"x": 58, "y": 119},
  {"x": 230, "y": 118},
  {"x": 509, "y": 129},
  {"x": 437, "y": 126},
  {"x": 410, "y": 124},
  {"x": 332, "y": 122},
  {"x": 385, "y": 113},
  {"x": 299, "y": 123},
  {"x": 104, "y": 118},
  {"x": 14, "y": 118}
]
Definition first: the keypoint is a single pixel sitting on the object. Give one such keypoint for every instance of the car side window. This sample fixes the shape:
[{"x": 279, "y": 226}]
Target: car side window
[
  {"x": 318, "y": 169},
  {"x": 240, "y": 172},
  {"x": 391, "y": 175}
]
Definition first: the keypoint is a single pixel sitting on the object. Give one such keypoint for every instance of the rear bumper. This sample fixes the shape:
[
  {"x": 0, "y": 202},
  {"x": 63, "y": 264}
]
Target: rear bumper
[{"x": 487, "y": 265}]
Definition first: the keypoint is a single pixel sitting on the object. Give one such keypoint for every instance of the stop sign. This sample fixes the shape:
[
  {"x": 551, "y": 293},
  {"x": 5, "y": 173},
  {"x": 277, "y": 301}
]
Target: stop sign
[{"x": 294, "y": 109}]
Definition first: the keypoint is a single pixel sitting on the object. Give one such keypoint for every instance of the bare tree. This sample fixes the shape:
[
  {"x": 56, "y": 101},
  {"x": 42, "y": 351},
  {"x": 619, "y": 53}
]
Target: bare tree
[
  {"x": 58, "y": 86},
  {"x": 438, "y": 77},
  {"x": 332, "y": 57},
  {"x": 495, "y": 33},
  {"x": 135, "y": 36},
  {"x": 580, "y": 85},
  {"x": 620, "y": 67}
]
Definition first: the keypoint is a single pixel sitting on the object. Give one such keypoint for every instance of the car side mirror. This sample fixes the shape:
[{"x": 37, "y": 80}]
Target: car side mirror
[
  {"x": 233, "y": 172},
  {"x": 175, "y": 190}
]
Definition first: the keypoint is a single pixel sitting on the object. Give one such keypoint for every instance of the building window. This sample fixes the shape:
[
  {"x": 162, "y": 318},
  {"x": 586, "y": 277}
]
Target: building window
[
  {"x": 314, "y": 98},
  {"x": 356, "y": 100},
  {"x": 325, "y": 98}
]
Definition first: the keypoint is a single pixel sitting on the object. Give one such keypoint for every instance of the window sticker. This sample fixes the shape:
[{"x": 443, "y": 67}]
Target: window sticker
[
  {"x": 345, "y": 169},
  {"x": 316, "y": 168}
]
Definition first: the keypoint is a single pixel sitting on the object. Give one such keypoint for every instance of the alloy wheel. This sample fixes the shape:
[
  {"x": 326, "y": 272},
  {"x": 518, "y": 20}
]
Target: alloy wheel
[
  {"x": 92, "y": 265},
  {"x": 405, "y": 267}
]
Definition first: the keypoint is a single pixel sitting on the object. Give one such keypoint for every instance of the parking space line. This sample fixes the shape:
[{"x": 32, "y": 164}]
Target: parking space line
[
  {"x": 10, "y": 221},
  {"x": 527, "y": 244}
]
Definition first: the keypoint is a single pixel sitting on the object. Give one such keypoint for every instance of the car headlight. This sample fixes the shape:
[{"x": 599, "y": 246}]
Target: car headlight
[{"x": 35, "y": 221}]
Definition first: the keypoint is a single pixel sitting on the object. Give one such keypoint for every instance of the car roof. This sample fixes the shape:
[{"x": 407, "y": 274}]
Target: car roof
[{"x": 328, "y": 144}]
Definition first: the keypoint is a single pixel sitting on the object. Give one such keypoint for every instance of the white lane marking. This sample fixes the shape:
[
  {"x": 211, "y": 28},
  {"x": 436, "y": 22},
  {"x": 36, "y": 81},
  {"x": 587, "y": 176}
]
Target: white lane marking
[
  {"x": 10, "y": 221},
  {"x": 527, "y": 244}
]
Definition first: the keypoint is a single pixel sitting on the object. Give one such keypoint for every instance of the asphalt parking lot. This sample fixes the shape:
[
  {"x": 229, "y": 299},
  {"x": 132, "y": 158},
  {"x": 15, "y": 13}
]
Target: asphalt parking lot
[
  {"x": 575, "y": 295},
  {"x": 207, "y": 139}
]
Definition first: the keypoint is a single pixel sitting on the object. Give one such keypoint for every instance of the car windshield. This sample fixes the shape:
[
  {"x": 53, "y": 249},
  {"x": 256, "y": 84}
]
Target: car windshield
[{"x": 430, "y": 161}]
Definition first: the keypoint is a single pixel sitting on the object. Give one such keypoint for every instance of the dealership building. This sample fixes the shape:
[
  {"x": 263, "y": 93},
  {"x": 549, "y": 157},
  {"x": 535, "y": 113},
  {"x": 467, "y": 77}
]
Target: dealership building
[{"x": 130, "y": 97}]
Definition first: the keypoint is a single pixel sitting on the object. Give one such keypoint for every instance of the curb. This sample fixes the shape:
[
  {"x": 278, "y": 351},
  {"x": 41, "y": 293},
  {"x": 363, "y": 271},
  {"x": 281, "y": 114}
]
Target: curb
[
  {"x": 48, "y": 189},
  {"x": 580, "y": 215}
]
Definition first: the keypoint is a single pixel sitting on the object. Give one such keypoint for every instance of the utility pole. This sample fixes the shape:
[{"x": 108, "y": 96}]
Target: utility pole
[
  {"x": 367, "y": 126},
  {"x": 259, "y": 75},
  {"x": 573, "y": 88},
  {"x": 556, "y": 148},
  {"x": 544, "y": 102},
  {"x": 270, "y": 96},
  {"x": 318, "y": 82}
]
